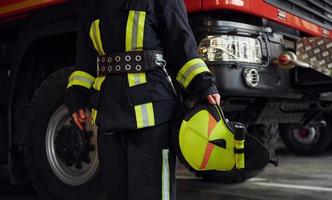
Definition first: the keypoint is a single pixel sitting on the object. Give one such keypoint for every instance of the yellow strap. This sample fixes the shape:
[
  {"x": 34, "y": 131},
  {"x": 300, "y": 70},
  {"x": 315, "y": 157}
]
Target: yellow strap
[
  {"x": 239, "y": 157},
  {"x": 96, "y": 37},
  {"x": 80, "y": 78},
  {"x": 239, "y": 144},
  {"x": 144, "y": 115},
  {"x": 191, "y": 69},
  {"x": 240, "y": 161},
  {"x": 135, "y": 42},
  {"x": 98, "y": 82}
]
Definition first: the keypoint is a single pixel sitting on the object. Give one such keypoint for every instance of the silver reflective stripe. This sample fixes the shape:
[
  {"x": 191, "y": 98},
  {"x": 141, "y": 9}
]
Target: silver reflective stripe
[
  {"x": 81, "y": 78},
  {"x": 135, "y": 30},
  {"x": 191, "y": 69},
  {"x": 145, "y": 116},
  {"x": 165, "y": 176},
  {"x": 137, "y": 79}
]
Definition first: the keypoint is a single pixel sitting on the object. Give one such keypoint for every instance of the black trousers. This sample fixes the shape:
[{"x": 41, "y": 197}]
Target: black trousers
[{"x": 138, "y": 165}]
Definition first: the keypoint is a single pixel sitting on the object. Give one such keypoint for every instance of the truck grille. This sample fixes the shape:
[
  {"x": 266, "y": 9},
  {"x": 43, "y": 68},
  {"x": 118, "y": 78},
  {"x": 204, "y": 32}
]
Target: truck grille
[{"x": 316, "y": 11}]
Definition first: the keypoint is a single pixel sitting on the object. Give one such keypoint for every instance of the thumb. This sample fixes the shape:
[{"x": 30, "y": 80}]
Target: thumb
[
  {"x": 211, "y": 99},
  {"x": 216, "y": 98},
  {"x": 77, "y": 121}
]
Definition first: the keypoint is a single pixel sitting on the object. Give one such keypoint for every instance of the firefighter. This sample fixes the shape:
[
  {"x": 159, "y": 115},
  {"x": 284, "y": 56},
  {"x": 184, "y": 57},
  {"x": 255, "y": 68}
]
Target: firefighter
[{"x": 122, "y": 47}]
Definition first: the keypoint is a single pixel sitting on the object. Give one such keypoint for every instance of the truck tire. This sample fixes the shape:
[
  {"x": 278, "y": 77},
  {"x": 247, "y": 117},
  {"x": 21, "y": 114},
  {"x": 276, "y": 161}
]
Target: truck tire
[
  {"x": 268, "y": 134},
  {"x": 307, "y": 140},
  {"x": 50, "y": 134}
]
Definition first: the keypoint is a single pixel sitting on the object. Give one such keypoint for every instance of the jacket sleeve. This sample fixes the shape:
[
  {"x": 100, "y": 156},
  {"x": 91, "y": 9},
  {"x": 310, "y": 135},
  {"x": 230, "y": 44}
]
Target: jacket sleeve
[
  {"x": 181, "y": 49},
  {"x": 83, "y": 76}
]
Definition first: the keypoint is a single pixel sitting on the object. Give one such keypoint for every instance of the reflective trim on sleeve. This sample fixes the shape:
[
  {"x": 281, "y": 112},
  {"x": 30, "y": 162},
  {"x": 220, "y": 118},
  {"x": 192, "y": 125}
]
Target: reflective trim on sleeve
[
  {"x": 96, "y": 37},
  {"x": 165, "y": 177},
  {"x": 80, "y": 78},
  {"x": 97, "y": 86},
  {"x": 135, "y": 42},
  {"x": 239, "y": 157},
  {"x": 98, "y": 82},
  {"x": 144, "y": 115},
  {"x": 191, "y": 69}
]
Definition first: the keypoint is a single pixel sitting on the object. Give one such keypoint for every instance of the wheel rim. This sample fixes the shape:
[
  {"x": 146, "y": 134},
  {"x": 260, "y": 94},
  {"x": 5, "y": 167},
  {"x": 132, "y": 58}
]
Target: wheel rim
[
  {"x": 70, "y": 175},
  {"x": 306, "y": 135}
]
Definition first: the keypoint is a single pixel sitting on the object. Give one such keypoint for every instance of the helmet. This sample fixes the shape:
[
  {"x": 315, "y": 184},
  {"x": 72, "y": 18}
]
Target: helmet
[{"x": 208, "y": 141}]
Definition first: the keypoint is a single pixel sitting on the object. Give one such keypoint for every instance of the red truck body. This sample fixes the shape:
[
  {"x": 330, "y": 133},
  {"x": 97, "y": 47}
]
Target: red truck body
[{"x": 13, "y": 9}]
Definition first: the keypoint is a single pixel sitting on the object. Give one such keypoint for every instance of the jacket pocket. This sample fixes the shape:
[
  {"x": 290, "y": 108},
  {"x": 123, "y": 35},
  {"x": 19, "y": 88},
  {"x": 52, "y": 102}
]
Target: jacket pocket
[
  {"x": 156, "y": 89},
  {"x": 152, "y": 102}
]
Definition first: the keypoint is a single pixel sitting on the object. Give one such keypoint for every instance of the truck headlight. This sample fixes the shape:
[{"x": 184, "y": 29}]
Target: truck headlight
[{"x": 231, "y": 48}]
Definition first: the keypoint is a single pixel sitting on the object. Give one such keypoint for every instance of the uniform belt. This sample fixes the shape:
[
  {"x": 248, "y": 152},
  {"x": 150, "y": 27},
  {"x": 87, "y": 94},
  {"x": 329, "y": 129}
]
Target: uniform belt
[{"x": 129, "y": 62}]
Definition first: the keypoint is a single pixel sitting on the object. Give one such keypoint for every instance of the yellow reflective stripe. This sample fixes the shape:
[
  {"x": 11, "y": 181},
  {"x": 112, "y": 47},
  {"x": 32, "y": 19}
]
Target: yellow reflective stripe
[
  {"x": 239, "y": 157},
  {"x": 129, "y": 31},
  {"x": 140, "y": 32},
  {"x": 96, "y": 37},
  {"x": 82, "y": 74},
  {"x": 135, "y": 42},
  {"x": 135, "y": 30},
  {"x": 136, "y": 79},
  {"x": 80, "y": 78},
  {"x": 94, "y": 113},
  {"x": 144, "y": 115},
  {"x": 165, "y": 177},
  {"x": 98, "y": 82},
  {"x": 191, "y": 69}
]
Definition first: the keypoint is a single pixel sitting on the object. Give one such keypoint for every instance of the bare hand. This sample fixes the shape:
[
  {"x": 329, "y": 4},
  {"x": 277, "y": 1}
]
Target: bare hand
[
  {"x": 214, "y": 99},
  {"x": 80, "y": 118}
]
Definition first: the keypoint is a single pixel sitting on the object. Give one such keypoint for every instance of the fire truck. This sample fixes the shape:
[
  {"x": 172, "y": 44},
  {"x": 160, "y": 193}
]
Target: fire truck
[{"x": 244, "y": 43}]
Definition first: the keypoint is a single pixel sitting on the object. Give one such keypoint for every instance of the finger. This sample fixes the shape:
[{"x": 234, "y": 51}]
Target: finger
[
  {"x": 82, "y": 114},
  {"x": 211, "y": 99},
  {"x": 77, "y": 121},
  {"x": 216, "y": 98}
]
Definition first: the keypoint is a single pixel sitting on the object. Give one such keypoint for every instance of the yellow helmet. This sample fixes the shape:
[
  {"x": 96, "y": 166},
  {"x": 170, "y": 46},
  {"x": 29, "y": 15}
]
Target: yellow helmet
[{"x": 208, "y": 141}]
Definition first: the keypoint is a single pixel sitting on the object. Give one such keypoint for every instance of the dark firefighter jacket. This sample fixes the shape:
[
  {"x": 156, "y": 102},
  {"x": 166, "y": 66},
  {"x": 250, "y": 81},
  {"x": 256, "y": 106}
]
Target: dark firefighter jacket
[{"x": 131, "y": 101}]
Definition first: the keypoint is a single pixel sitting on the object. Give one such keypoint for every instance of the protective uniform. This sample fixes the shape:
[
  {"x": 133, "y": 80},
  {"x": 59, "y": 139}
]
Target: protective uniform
[{"x": 132, "y": 110}]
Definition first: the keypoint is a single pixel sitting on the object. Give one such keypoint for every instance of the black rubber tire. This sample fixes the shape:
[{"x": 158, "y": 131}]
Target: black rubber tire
[
  {"x": 46, "y": 100},
  {"x": 321, "y": 145},
  {"x": 268, "y": 134}
]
